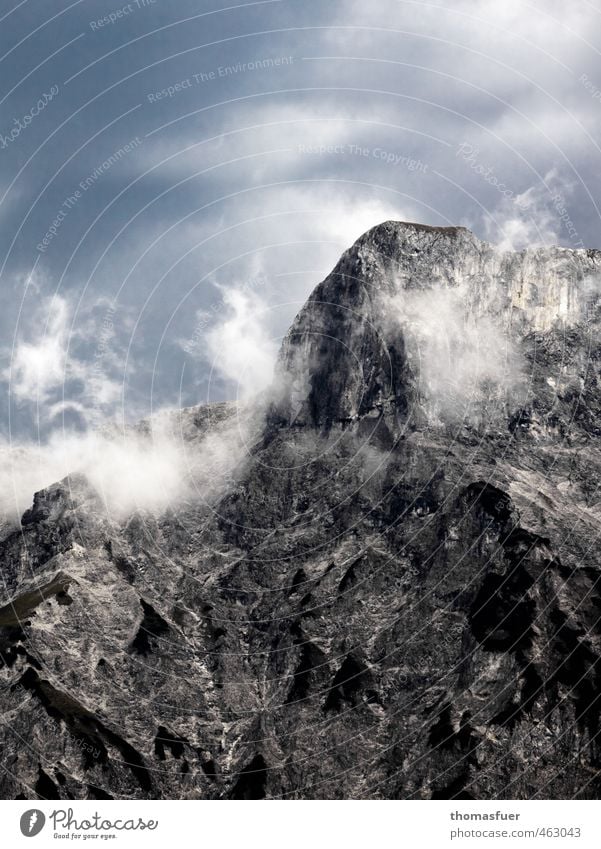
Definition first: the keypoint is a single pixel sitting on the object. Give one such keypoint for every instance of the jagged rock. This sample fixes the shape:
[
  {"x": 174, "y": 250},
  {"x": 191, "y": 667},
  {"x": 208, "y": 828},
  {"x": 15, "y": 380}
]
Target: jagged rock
[
  {"x": 397, "y": 595},
  {"x": 342, "y": 360}
]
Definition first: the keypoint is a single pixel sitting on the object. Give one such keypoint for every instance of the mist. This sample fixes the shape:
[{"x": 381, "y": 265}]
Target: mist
[
  {"x": 165, "y": 465},
  {"x": 467, "y": 364}
]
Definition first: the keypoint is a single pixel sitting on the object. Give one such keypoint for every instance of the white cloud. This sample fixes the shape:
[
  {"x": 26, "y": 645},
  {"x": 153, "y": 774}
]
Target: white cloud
[
  {"x": 38, "y": 366},
  {"x": 344, "y": 223},
  {"x": 240, "y": 346},
  {"x": 58, "y": 365},
  {"x": 533, "y": 218},
  {"x": 132, "y": 470},
  {"x": 124, "y": 472}
]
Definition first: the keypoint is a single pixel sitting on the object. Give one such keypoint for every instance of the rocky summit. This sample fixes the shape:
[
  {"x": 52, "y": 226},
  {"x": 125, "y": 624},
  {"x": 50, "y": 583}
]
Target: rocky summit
[{"x": 392, "y": 590}]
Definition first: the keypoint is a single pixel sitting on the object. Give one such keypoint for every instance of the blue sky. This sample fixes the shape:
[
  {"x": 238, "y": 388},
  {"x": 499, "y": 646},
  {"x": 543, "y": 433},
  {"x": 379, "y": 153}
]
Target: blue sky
[{"x": 176, "y": 177}]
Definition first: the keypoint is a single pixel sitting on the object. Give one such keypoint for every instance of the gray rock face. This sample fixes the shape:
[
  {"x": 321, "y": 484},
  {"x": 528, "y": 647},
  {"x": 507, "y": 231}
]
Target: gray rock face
[
  {"x": 343, "y": 356},
  {"x": 397, "y": 594}
]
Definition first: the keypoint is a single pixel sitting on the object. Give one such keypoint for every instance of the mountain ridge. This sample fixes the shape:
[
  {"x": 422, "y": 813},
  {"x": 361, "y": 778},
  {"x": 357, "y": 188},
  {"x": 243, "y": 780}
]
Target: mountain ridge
[{"x": 394, "y": 593}]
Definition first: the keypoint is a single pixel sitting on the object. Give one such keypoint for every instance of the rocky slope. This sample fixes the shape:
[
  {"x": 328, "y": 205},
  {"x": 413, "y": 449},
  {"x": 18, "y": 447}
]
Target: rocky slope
[{"x": 395, "y": 594}]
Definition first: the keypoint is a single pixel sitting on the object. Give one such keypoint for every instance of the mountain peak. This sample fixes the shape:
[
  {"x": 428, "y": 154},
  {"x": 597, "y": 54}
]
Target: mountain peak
[
  {"x": 391, "y": 225},
  {"x": 357, "y": 346}
]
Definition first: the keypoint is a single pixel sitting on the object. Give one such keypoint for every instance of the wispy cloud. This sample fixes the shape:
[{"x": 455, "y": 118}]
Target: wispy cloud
[
  {"x": 148, "y": 469},
  {"x": 57, "y": 365},
  {"x": 532, "y": 219},
  {"x": 466, "y": 363},
  {"x": 240, "y": 346},
  {"x": 38, "y": 364}
]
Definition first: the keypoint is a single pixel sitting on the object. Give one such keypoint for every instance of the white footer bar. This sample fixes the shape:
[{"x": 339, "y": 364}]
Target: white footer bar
[{"x": 303, "y": 825}]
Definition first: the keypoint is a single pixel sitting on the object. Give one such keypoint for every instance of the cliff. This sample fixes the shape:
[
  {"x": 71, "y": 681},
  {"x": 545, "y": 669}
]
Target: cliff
[{"x": 396, "y": 592}]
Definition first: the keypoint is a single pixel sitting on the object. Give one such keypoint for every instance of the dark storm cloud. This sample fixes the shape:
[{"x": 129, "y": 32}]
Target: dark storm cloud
[{"x": 200, "y": 167}]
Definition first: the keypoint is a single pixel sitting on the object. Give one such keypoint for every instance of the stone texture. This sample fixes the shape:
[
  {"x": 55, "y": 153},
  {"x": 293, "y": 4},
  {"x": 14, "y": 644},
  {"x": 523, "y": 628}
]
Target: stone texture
[{"x": 381, "y": 603}]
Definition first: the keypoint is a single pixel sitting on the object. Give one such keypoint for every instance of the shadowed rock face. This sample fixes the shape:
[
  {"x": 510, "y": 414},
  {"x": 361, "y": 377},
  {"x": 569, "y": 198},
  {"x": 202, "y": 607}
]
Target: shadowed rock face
[{"x": 398, "y": 596}]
